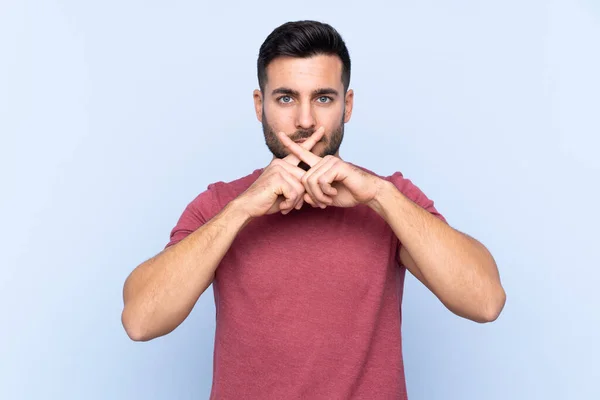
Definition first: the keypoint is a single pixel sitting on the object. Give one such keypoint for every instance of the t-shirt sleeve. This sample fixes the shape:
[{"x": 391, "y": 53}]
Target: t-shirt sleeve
[
  {"x": 410, "y": 190},
  {"x": 195, "y": 214}
]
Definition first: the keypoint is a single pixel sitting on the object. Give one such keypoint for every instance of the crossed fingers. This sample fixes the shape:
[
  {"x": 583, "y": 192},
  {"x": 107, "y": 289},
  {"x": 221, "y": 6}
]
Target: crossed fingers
[{"x": 318, "y": 188}]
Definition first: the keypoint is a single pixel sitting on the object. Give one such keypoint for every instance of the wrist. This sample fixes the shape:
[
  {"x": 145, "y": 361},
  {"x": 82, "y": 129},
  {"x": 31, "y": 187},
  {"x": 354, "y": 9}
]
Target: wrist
[
  {"x": 385, "y": 191},
  {"x": 238, "y": 211}
]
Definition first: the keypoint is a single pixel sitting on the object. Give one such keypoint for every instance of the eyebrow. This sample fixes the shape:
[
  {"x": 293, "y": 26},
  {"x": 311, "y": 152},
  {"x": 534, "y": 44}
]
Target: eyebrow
[{"x": 316, "y": 92}]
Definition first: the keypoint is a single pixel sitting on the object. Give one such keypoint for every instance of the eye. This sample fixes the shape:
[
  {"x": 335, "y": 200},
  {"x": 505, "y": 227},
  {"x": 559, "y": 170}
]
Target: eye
[
  {"x": 284, "y": 99},
  {"x": 325, "y": 99}
]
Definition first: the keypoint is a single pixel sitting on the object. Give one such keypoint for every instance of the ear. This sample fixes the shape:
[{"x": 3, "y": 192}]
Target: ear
[
  {"x": 349, "y": 100},
  {"x": 258, "y": 104}
]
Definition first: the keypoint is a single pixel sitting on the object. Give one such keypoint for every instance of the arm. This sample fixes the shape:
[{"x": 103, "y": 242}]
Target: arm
[
  {"x": 160, "y": 293},
  {"x": 458, "y": 269},
  {"x": 455, "y": 267}
]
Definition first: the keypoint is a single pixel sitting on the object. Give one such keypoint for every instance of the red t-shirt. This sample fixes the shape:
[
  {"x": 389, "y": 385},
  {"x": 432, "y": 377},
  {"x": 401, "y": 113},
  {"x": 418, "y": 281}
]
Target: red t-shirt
[{"x": 308, "y": 305}]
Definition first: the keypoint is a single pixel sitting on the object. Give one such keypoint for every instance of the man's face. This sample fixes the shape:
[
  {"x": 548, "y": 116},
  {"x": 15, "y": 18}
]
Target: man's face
[{"x": 301, "y": 95}]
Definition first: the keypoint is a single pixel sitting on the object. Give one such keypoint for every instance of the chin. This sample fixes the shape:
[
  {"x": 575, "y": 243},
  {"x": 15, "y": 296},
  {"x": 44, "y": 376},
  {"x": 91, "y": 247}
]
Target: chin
[{"x": 318, "y": 149}]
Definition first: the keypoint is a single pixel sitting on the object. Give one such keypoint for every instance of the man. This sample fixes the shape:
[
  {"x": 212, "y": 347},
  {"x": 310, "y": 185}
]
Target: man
[{"x": 307, "y": 256}]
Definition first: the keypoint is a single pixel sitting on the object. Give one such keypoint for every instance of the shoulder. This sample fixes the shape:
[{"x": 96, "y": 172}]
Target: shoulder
[
  {"x": 228, "y": 190},
  {"x": 409, "y": 189},
  {"x": 406, "y": 187},
  {"x": 217, "y": 194},
  {"x": 414, "y": 193},
  {"x": 207, "y": 204}
]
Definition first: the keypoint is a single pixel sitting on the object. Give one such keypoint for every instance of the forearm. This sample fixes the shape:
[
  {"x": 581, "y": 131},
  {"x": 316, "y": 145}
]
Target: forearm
[
  {"x": 160, "y": 293},
  {"x": 458, "y": 269}
]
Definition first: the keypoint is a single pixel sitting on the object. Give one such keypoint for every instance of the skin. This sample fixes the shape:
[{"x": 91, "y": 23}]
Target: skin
[
  {"x": 300, "y": 95},
  {"x": 457, "y": 268},
  {"x": 160, "y": 293}
]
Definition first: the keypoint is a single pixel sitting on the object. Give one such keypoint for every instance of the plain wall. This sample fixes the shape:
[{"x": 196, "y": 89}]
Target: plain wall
[{"x": 115, "y": 115}]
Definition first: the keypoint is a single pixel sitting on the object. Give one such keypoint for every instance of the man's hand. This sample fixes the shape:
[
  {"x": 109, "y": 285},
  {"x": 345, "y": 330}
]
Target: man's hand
[
  {"x": 279, "y": 188},
  {"x": 331, "y": 181}
]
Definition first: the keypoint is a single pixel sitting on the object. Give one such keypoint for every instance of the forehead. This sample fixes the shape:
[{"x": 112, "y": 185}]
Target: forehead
[{"x": 305, "y": 73}]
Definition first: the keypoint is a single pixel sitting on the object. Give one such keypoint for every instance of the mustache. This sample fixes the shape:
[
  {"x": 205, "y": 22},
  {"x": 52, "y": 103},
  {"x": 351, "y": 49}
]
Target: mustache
[{"x": 304, "y": 134}]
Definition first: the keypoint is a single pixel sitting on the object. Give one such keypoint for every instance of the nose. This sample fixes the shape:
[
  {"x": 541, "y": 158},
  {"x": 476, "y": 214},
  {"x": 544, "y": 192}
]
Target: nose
[{"x": 305, "y": 118}]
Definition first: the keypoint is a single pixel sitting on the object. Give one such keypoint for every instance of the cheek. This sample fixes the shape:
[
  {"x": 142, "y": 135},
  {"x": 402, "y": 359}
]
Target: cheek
[
  {"x": 330, "y": 118},
  {"x": 280, "y": 119}
]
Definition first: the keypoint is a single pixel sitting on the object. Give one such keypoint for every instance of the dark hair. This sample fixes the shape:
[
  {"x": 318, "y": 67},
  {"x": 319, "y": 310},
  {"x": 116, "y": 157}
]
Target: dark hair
[{"x": 303, "y": 39}]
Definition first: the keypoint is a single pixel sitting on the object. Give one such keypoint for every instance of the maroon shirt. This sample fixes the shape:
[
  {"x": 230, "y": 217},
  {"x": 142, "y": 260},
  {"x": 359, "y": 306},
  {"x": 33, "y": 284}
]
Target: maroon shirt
[{"x": 308, "y": 305}]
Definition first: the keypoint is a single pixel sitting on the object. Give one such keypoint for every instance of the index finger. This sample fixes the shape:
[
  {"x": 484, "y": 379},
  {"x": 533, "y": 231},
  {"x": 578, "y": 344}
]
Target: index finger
[
  {"x": 300, "y": 152},
  {"x": 308, "y": 144}
]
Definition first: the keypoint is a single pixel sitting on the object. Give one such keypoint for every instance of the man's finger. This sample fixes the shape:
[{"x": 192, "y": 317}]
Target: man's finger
[
  {"x": 308, "y": 144},
  {"x": 300, "y": 152},
  {"x": 311, "y": 181},
  {"x": 291, "y": 189},
  {"x": 292, "y": 169},
  {"x": 313, "y": 139}
]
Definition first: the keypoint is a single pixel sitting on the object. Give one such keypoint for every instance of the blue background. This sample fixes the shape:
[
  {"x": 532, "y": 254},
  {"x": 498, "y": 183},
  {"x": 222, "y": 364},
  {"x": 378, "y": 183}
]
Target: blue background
[{"x": 115, "y": 114}]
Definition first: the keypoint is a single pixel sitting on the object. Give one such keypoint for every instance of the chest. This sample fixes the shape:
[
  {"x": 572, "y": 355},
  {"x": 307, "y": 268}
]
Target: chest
[{"x": 334, "y": 253}]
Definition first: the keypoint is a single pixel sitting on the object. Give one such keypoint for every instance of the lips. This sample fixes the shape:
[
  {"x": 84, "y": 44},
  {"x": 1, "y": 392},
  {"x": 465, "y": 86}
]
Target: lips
[{"x": 300, "y": 140}]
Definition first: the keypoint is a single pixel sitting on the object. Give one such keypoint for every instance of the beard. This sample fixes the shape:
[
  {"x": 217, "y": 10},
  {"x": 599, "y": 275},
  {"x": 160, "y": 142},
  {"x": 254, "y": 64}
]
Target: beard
[{"x": 332, "y": 143}]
